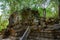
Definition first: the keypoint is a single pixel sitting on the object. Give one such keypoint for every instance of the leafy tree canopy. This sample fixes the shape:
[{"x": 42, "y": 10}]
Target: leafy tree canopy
[{"x": 9, "y": 6}]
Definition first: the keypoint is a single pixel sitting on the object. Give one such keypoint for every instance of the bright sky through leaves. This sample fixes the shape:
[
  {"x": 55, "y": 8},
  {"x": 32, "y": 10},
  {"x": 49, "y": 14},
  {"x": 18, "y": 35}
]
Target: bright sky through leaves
[
  {"x": 0, "y": 8},
  {"x": 44, "y": 5}
]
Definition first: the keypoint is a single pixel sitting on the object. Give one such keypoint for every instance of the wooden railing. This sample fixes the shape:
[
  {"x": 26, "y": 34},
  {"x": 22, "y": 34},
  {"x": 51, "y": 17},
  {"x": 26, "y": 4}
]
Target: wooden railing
[{"x": 25, "y": 35}]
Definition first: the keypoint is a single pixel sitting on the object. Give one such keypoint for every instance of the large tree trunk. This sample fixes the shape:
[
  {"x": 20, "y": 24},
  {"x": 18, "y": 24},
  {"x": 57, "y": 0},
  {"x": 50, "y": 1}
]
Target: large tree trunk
[
  {"x": 59, "y": 10},
  {"x": 44, "y": 13}
]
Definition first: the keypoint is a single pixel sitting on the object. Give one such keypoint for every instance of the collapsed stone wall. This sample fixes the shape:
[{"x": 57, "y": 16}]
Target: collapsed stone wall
[{"x": 16, "y": 26}]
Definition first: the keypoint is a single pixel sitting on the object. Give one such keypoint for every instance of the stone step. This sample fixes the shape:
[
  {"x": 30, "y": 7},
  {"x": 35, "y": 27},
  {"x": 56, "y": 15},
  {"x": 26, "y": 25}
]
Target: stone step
[
  {"x": 35, "y": 35},
  {"x": 16, "y": 28}
]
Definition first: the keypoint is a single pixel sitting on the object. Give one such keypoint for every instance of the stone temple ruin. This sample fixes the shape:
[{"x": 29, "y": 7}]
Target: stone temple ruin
[{"x": 30, "y": 26}]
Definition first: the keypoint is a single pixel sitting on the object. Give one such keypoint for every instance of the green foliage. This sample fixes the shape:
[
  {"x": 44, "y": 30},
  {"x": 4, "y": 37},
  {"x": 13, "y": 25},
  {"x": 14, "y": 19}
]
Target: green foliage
[
  {"x": 52, "y": 10},
  {"x": 41, "y": 12},
  {"x": 3, "y": 25},
  {"x": 9, "y": 6}
]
